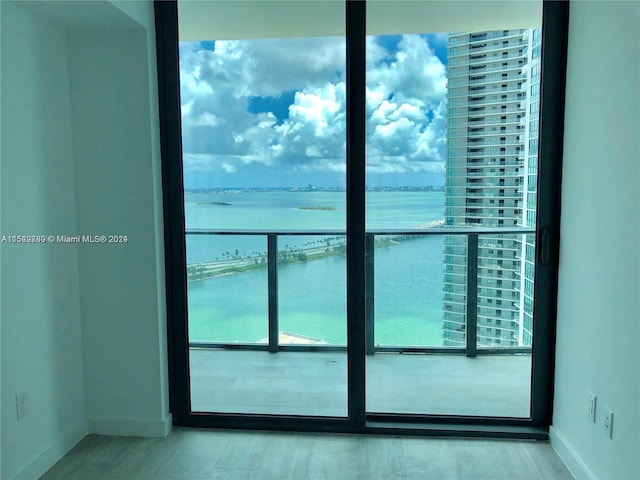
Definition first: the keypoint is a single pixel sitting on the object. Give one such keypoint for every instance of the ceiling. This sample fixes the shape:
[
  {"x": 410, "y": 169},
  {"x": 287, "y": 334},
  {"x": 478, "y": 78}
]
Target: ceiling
[
  {"x": 81, "y": 14},
  {"x": 225, "y": 20}
]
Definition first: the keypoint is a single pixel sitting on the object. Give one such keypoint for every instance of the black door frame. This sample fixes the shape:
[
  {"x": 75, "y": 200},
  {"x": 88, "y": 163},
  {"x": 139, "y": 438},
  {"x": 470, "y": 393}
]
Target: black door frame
[{"x": 554, "y": 51}]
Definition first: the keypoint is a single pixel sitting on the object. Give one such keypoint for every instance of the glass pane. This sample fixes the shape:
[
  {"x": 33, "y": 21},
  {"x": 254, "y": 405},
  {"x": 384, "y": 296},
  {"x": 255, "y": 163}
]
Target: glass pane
[
  {"x": 452, "y": 122},
  {"x": 408, "y": 291},
  {"x": 312, "y": 310},
  {"x": 221, "y": 269},
  {"x": 263, "y": 135},
  {"x": 499, "y": 295}
]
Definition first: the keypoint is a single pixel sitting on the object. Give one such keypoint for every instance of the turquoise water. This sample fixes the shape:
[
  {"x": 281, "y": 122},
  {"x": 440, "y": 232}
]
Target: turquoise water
[
  {"x": 279, "y": 210},
  {"x": 312, "y": 295}
]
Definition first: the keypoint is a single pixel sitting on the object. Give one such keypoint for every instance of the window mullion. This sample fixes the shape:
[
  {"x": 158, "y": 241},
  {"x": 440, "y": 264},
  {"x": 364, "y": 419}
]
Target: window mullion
[{"x": 356, "y": 298}]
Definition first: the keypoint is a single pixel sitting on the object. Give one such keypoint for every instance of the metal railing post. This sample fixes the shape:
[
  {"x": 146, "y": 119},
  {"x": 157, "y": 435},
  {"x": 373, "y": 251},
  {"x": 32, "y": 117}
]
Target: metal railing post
[
  {"x": 370, "y": 348},
  {"x": 272, "y": 264},
  {"x": 472, "y": 294}
]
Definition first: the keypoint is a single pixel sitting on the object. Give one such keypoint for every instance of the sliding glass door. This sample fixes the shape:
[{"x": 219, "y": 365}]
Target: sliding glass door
[
  {"x": 360, "y": 226},
  {"x": 263, "y": 148},
  {"x": 452, "y": 135}
]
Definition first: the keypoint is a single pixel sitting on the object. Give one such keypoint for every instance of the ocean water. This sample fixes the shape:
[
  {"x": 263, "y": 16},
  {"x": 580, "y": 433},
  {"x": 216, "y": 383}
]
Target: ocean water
[{"x": 312, "y": 295}]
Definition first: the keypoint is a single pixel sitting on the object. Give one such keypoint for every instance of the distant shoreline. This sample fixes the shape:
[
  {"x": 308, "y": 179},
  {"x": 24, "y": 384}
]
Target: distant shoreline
[
  {"x": 432, "y": 224},
  {"x": 234, "y": 266},
  {"x": 326, "y": 249},
  {"x": 317, "y": 207},
  {"x": 312, "y": 189}
]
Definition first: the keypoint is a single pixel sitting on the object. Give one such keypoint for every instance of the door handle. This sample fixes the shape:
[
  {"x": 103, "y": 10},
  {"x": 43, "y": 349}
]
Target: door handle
[{"x": 545, "y": 246}]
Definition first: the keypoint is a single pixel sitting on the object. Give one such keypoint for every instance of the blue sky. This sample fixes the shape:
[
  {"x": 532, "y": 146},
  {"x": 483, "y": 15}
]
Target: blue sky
[{"x": 270, "y": 113}]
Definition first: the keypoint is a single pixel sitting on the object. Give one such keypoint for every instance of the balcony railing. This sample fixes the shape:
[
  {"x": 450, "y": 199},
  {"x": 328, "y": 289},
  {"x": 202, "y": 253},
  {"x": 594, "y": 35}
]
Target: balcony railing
[{"x": 472, "y": 234}]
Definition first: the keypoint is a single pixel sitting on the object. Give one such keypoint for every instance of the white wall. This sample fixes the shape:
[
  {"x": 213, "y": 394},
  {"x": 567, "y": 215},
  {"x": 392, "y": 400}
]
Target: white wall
[
  {"x": 121, "y": 302},
  {"x": 598, "y": 338},
  {"x": 83, "y": 328},
  {"x": 259, "y": 19},
  {"x": 41, "y": 327},
  {"x": 142, "y": 12}
]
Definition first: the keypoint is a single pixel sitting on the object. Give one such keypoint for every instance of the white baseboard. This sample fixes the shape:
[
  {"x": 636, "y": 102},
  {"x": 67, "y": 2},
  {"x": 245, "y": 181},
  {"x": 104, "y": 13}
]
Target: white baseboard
[
  {"x": 568, "y": 455},
  {"x": 130, "y": 427},
  {"x": 54, "y": 452}
]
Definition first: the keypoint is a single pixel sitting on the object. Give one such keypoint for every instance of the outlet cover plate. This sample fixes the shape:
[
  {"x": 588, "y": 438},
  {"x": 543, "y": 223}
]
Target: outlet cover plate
[
  {"x": 22, "y": 406},
  {"x": 591, "y": 407},
  {"x": 608, "y": 422}
]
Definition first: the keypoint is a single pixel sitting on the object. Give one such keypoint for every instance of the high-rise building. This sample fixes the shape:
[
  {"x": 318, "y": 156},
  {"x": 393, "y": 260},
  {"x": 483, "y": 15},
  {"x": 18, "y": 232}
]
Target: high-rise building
[
  {"x": 530, "y": 185},
  {"x": 492, "y": 106}
]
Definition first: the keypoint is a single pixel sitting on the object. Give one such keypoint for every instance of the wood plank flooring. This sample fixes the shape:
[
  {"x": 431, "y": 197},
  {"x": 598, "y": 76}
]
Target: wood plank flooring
[
  {"x": 188, "y": 454},
  {"x": 315, "y": 383}
]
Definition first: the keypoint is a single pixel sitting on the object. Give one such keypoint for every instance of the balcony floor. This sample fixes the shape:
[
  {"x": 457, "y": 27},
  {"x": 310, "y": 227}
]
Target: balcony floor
[{"x": 314, "y": 383}]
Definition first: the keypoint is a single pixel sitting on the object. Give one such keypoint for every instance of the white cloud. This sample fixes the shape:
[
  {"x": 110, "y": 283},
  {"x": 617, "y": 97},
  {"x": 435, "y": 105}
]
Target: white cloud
[
  {"x": 199, "y": 162},
  {"x": 315, "y": 129},
  {"x": 205, "y": 119},
  {"x": 405, "y": 105},
  {"x": 403, "y": 92}
]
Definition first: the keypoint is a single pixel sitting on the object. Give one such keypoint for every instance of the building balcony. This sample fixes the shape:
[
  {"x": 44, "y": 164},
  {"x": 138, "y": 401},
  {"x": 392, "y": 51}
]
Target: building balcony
[
  {"x": 482, "y": 153},
  {"x": 479, "y": 47},
  {"x": 462, "y": 92},
  {"x": 464, "y": 70},
  {"x": 306, "y": 382},
  {"x": 483, "y": 196},
  {"x": 474, "y": 121},
  {"x": 484, "y": 80},
  {"x": 473, "y": 142},
  {"x": 485, "y": 58},
  {"x": 301, "y": 374},
  {"x": 487, "y": 101},
  {"x": 458, "y": 299},
  {"x": 463, "y": 38},
  {"x": 482, "y": 132},
  {"x": 462, "y": 113}
]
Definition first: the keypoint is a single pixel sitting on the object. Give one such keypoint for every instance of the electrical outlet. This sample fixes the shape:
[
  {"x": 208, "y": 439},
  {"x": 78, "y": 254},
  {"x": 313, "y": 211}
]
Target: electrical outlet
[
  {"x": 608, "y": 422},
  {"x": 591, "y": 407},
  {"x": 22, "y": 406}
]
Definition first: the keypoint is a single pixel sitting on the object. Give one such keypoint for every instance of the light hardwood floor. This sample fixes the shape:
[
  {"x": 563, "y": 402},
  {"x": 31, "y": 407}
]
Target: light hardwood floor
[{"x": 188, "y": 454}]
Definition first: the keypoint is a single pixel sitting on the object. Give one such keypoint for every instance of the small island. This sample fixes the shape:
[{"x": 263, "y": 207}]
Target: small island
[
  {"x": 317, "y": 207},
  {"x": 214, "y": 203}
]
